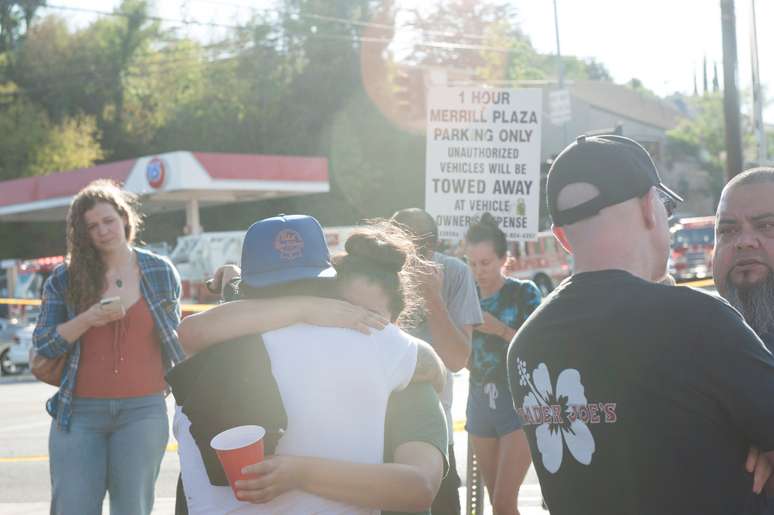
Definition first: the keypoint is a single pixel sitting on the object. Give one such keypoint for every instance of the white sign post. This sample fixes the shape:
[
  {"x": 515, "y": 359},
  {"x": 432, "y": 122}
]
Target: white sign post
[
  {"x": 559, "y": 106},
  {"x": 483, "y": 155}
]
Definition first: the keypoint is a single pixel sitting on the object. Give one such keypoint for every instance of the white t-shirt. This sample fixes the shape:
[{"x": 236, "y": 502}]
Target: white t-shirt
[{"x": 335, "y": 385}]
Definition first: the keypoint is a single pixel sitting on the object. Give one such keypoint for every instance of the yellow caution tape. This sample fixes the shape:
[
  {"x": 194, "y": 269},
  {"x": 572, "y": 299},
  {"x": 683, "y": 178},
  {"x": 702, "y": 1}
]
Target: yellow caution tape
[
  {"x": 21, "y": 302},
  {"x": 188, "y": 308},
  {"x": 198, "y": 308},
  {"x": 702, "y": 283}
]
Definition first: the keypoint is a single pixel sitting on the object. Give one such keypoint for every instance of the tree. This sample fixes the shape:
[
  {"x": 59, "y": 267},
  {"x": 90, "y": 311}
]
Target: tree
[
  {"x": 638, "y": 86},
  {"x": 23, "y": 126},
  {"x": 702, "y": 138},
  {"x": 86, "y": 72},
  {"x": 69, "y": 145},
  {"x": 15, "y": 19},
  {"x": 33, "y": 145}
]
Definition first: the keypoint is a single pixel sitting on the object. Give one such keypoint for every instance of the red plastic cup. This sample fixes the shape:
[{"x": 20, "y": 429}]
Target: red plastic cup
[{"x": 237, "y": 448}]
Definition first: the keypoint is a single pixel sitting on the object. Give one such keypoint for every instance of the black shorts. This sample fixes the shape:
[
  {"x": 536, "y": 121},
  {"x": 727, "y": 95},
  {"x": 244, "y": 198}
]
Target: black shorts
[{"x": 181, "y": 504}]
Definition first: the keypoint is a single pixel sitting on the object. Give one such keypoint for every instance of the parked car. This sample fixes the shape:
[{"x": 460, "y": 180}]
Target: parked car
[
  {"x": 19, "y": 352},
  {"x": 8, "y": 329}
]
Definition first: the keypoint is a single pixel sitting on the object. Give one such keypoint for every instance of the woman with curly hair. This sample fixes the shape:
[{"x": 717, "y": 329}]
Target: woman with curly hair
[{"x": 111, "y": 311}]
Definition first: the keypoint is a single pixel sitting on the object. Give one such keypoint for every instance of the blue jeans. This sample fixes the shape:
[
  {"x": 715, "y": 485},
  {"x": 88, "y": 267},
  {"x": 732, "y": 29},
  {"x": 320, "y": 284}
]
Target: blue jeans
[{"x": 114, "y": 445}]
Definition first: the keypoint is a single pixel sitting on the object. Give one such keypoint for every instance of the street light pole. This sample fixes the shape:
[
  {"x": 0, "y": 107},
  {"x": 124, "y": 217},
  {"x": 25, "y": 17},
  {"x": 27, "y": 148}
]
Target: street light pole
[{"x": 730, "y": 92}]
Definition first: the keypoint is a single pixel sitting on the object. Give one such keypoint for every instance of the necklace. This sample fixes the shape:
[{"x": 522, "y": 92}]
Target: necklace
[{"x": 120, "y": 282}]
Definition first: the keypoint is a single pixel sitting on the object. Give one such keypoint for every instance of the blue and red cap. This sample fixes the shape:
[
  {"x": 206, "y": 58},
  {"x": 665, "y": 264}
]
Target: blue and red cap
[{"x": 284, "y": 249}]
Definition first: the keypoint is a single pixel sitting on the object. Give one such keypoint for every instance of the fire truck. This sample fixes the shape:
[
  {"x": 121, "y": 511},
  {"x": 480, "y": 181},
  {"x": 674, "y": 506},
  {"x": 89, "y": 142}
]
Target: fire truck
[
  {"x": 197, "y": 256},
  {"x": 24, "y": 280},
  {"x": 543, "y": 261},
  {"x": 692, "y": 242}
]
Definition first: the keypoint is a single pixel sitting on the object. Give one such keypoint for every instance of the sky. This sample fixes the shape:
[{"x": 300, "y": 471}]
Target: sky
[{"x": 660, "y": 42}]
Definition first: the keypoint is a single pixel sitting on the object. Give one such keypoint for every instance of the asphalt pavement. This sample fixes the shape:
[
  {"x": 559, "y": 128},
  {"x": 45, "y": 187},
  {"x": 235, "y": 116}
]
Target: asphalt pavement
[{"x": 24, "y": 477}]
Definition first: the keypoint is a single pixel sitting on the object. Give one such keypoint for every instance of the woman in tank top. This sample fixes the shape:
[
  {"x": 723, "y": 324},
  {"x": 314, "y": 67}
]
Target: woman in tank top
[{"x": 111, "y": 311}]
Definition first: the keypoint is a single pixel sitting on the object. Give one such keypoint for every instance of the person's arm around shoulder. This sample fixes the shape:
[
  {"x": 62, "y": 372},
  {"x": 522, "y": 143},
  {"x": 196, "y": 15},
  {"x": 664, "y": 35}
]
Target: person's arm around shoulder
[
  {"x": 244, "y": 317},
  {"x": 429, "y": 367},
  {"x": 416, "y": 438},
  {"x": 408, "y": 486},
  {"x": 405, "y": 359}
]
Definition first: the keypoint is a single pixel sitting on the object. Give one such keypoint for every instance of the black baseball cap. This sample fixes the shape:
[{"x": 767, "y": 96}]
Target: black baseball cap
[{"x": 619, "y": 167}]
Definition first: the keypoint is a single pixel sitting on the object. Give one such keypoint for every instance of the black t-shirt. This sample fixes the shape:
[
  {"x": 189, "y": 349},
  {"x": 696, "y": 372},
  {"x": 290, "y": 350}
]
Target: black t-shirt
[
  {"x": 768, "y": 340},
  {"x": 640, "y": 398}
]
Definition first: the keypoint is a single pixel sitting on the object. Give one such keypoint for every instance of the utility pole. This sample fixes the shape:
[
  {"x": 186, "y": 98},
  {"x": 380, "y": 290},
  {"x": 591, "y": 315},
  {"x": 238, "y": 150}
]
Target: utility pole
[
  {"x": 558, "y": 50},
  {"x": 561, "y": 67},
  {"x": 760, "y": 130},
  {"x": 730, "y": 94}
]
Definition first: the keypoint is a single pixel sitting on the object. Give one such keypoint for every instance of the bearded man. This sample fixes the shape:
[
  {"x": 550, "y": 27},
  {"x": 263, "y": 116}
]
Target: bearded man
[{"x": 743, "y": 266}]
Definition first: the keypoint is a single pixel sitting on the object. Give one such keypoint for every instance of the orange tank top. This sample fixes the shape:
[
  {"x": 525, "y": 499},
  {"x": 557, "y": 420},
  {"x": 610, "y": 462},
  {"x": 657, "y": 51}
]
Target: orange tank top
[{"x": 121, "y": 359}]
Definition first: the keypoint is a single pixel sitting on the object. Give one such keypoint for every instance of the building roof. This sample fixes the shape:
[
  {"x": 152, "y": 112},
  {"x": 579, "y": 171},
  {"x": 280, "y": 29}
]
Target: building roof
[
  {"x": 168, "y": 181},
  {"x": 607, "y": 96},
  {"x": 625, "y": 101}
]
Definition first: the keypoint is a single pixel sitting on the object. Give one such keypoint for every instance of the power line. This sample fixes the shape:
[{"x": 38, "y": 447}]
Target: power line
[
  {"x": 145, "y": 60},
  {"x": 147, "y": 16},
  {"x": 56, "y": 81},
  {"x": 348, "y": 21},
  {"x": 241, "y": 27},
  {"x": 100, "y": 77},
  {"x": 348, "y": 38},
  {"x": 427, "y": 44}
]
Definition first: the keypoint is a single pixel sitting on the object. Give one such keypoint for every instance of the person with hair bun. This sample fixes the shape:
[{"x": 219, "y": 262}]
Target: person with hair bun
[
  {"x": 378, "y": 275},
  {"x": 380, "y": 256},
  {"x": 492, "y": 422}
]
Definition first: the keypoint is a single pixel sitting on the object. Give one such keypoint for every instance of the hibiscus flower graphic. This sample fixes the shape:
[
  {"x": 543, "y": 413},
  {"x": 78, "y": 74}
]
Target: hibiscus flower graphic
[{"x": 553, "y": 435}]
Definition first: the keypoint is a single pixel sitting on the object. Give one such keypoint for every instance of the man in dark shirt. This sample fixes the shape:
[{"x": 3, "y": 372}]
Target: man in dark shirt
[
  {"x": 637, "y": 397},
  {"x": 743, "y": 266}
]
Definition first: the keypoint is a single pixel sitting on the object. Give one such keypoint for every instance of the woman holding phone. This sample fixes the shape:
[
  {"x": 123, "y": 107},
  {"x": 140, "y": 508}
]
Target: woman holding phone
[
  {"x": 111, "y": 311},
  {"x": 492, "y": 423}
]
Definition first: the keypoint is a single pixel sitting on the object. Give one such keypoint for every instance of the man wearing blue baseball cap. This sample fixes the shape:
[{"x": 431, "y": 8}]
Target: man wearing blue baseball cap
[
  {"x": 334, "y": 383},
  {"x": 636, "y": 397}
]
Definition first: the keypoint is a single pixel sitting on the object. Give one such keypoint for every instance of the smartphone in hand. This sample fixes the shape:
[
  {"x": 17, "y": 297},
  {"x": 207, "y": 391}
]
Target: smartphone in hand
[{"x": 113, "y": 305}]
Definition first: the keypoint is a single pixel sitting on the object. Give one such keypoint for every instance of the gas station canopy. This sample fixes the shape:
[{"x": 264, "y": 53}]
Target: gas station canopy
[{"x": 170, "y": 181}]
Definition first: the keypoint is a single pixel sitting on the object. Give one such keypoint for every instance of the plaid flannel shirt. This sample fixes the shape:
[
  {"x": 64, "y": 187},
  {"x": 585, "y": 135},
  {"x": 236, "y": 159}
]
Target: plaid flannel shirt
[{"x": 159, "y": 286}]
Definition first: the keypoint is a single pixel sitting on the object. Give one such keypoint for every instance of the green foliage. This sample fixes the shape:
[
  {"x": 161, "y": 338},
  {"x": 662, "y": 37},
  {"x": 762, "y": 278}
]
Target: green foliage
[
  {"x": 15, "y": 19},
  {"x": 33, "y": 145},
  {"x": 23, "y": 127},
  {"x": 638, "y": 86},
  {"x": 297, "y": 81},
  {"x": 702, "y": 138},
  {"x": 489, "y": 42},
  {"x": 69, "y": 145},
  {"x": 374, "y": 175}
]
